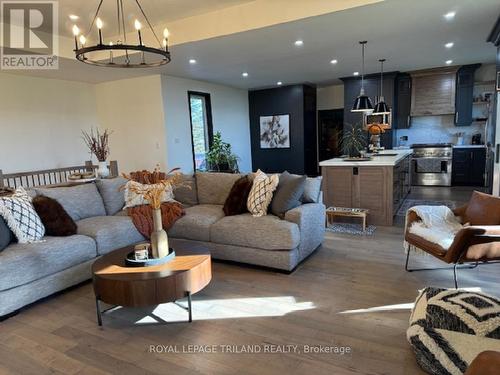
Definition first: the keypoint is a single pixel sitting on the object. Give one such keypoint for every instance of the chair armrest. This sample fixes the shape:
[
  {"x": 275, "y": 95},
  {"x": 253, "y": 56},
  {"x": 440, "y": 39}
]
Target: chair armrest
[{"x": 472, "y": 235}]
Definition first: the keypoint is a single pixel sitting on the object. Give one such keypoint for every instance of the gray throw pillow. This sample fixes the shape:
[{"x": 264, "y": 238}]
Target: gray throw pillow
[
  {"x": 288, "y": 193},
  {"x": 112, "y": 195},
  {"x": 312, "y": 189},
  {"x": 6, "y": 235}
]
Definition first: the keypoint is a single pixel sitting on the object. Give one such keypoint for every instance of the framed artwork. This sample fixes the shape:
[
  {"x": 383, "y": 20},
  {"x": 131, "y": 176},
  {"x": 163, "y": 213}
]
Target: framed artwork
[{"x": 275, "y": 131}]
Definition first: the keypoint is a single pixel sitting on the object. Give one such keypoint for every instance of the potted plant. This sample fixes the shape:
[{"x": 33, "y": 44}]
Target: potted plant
[
  {"x": 98, "y": 145},
  {"x": 353, "y": 141},
  {"x": 220, "y": 157}
]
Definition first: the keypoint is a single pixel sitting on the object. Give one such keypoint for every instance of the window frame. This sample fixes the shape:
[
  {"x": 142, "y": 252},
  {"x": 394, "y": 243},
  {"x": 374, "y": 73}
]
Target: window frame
[{"x": 208, "y": 114}]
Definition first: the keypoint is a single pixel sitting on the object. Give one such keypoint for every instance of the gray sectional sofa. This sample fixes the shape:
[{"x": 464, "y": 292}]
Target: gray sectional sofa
[{"x": 29, "y": 272}]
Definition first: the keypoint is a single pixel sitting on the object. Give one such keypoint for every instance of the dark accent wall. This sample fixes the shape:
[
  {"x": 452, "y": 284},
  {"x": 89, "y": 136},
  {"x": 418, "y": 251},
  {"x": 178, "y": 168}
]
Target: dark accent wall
[{"x": 298, "y": 101}]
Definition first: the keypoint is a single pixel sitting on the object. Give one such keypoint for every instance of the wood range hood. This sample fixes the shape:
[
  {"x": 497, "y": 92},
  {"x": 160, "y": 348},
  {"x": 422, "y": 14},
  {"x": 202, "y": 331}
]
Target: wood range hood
[{"x": 433, "y": 91}]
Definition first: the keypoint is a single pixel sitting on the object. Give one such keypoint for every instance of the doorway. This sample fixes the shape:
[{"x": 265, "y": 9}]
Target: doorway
[{"x": 330, "y": 130}]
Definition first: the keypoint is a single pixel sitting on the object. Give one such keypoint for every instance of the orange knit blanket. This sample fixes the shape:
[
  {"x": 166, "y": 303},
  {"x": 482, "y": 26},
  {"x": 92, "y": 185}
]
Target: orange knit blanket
[{"x": 142, "y": 216}]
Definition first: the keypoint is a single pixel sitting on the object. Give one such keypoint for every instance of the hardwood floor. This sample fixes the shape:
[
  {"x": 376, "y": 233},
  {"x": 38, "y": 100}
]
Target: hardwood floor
[{"x": 352, "y": 292}]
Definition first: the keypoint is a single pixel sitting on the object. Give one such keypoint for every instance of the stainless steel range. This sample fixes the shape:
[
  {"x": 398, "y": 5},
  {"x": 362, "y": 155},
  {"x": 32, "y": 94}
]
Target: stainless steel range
[{"x": 431, "y": 164}]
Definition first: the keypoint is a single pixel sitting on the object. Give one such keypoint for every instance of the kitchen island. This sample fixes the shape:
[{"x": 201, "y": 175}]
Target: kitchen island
[{"x": 380, "y": 184}]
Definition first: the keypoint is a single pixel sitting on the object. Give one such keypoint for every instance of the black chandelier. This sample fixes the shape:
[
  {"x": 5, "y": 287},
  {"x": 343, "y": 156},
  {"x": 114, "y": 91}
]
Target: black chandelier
[{"x": 121, "y": 52}]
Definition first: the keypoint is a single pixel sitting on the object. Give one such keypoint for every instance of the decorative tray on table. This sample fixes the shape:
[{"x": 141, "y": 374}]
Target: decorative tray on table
[{"x": 132, "y": 262}]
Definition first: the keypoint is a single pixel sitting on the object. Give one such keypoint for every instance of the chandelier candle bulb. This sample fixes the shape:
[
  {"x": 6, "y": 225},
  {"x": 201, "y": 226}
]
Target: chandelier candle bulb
[
  {"x": 138, "y": 26},
  {"x": 98, "y": 23},
  {"x": 111, "y": 54},
  {"x": 83, "y": 40},
  {"x": 76, "y": 31}
]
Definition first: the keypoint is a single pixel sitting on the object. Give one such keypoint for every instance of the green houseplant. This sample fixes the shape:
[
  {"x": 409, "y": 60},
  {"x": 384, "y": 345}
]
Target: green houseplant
[
  {"x": 220, "y": 157},
  {"x": 353, "y": 141}
]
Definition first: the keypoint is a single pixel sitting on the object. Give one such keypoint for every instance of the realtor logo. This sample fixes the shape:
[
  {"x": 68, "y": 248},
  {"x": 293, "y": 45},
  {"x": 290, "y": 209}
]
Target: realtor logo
[{"x": 29, "y": 35}]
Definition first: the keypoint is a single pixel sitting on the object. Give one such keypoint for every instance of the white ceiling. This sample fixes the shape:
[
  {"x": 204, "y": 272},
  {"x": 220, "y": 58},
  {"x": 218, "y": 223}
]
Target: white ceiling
[{"x": 409, "y": 34}]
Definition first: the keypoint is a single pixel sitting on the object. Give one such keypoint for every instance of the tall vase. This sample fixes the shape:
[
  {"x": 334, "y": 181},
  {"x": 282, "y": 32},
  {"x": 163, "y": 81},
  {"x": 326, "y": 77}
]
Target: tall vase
[
  {"x": 159, "y": 238},
  {"x": 103, "y": 170}
]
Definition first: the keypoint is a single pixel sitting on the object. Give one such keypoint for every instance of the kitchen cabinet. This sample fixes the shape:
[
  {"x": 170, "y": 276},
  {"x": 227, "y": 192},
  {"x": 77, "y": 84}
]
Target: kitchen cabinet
[
  {"x": 403, "y": 101},
  {"x": 433, "y": 92},
  {"x": 468, "y": 167},
  {"x": 464, "y": 95}
]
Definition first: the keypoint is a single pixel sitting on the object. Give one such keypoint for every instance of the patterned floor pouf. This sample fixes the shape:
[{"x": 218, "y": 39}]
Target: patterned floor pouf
[{"x": 450, "y": 327}]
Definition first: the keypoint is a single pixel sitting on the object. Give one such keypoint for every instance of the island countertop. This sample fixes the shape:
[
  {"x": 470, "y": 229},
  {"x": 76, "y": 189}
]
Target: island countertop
[{"x": 377, "y": 161}]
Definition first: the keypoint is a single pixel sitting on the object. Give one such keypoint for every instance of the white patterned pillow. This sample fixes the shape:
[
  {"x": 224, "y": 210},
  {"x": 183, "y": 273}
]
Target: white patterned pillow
[
  {"x": 261, "y": 193},
  {"x": 133, "y": 199},
  {"x": 21, "y": 217}
]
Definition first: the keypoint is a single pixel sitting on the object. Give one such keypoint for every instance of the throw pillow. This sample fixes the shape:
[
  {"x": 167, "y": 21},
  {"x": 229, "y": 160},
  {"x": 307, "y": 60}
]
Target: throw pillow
[
  {"x": 133, "y": 199},
  {"x": 482, "y": 209},
  {"x": 21, "y": 217},
  {"x": 236, "y": 202},
  {"x": 261, "y": 193},
  {"x": 55, "y": 219},
  {"x": 288, "y": 193},
  {"x": 312, "y": 189},
  {"x": 6, "y": 235},
  {"x": 112, "y": 194}
]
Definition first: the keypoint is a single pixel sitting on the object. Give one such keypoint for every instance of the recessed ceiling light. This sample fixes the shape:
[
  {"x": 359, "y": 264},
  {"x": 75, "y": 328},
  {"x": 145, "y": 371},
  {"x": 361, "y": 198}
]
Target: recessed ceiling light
[
  {"x": 355, "y": 74},
  {"x": 448, "y": 62},
  {"x": 449, "y": 16},
  {"x": 244, "y": 74},
  {"x": 333, "y": 61},
  {"x": 73, "y": 17},
  {"x": 299, "y": 43},
  {"x": 192, "y": 61},
  {"x": 279, "y": 83},
  {"x": 449, "y": 45}
]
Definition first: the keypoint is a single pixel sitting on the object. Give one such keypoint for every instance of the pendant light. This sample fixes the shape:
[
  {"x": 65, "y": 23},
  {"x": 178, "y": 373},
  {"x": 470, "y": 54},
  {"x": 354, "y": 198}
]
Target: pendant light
[
  {"x": 362, "y": 102},
  {"x": 381, "y": 108}
]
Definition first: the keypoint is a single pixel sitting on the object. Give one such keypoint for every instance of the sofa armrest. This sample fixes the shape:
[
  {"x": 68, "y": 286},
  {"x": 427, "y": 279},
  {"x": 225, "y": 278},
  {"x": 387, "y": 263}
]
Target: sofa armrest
[{"x": 310, "y": 218}]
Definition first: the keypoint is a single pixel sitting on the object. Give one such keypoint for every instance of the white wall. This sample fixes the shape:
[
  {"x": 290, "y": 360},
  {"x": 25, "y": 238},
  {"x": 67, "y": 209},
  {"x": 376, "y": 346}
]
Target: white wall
[
  {"x": 229, "y": 115},
  {"x": 133, "y": 110},
  {"x": 41, "y": 121},
  {"x": 330, "y": 97}
]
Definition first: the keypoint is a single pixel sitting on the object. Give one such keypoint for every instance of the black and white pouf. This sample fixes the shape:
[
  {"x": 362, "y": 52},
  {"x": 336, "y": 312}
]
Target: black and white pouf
[{"x": 449, "y": 328}]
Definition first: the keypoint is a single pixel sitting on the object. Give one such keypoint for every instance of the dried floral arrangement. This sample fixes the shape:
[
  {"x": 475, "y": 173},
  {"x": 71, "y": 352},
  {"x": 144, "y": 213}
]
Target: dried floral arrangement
[
  {"x": 152, "y": 185},
  {"x": 97, "y": 143}
]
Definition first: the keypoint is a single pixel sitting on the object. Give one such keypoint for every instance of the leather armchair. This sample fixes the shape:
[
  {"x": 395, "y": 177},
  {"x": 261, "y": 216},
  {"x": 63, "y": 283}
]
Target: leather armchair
[{"x": 472, "y": 244}]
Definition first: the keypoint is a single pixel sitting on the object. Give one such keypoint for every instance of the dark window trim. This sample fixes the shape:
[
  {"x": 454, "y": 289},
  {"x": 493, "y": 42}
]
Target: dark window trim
[{"x": 210, "y": 127}]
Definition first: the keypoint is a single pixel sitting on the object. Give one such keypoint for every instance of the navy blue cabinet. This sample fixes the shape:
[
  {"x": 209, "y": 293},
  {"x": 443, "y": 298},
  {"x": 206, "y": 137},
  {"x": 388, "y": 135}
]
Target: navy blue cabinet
[
  {"x": 468, "y": 168},
  {"x": 464, "y": 94}
]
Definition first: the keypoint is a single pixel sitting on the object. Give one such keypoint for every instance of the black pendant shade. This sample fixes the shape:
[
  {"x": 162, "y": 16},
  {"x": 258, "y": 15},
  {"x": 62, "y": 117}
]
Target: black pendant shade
[
  {"x": 362, "y": 104},
  {"x": 381, "y": 108}
]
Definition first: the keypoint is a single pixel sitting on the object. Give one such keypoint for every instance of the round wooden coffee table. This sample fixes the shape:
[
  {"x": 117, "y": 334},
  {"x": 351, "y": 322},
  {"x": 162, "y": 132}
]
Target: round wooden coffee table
[{"x": 120, "y": 285}]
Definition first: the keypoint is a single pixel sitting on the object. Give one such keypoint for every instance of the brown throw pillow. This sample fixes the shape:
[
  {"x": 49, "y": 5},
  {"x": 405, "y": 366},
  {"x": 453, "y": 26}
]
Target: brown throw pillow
[
  {"x": 482, "y": 209},
  {"x": 236, "y": 201},
  {"x": 55, "y": 219}
]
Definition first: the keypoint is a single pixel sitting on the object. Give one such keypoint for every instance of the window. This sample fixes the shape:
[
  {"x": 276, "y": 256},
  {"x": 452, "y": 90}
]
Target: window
[{"x": 201, "y": 128}]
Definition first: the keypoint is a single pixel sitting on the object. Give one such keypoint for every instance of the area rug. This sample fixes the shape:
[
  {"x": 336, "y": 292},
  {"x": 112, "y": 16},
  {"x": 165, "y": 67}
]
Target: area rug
[
  {"x": 409, "y": 203},
  {"x": 348, "y": 228}
]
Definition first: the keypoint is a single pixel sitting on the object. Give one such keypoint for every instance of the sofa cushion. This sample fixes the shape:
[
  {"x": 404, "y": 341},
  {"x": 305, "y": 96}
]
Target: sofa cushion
[
  {"x": 266, "y": 232},
  {"x": 112, "y": 197},
  {"x": 185, "y": 192},
  {"x": 55, "y": 219},
  {"x": 195, "y": 225},
  {"x": 110, "y": 232},
  {"x": 482, "y": 209},
  {"x": 80, "y": 202},
  {"x": 214, "y": 188},
  {"x": 288, "y": 193},
  {"x": 24, "y": 263}
]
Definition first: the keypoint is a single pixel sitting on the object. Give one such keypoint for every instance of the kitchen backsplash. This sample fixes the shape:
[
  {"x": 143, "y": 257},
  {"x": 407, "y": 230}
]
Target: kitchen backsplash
[{"x": 437, "y": 129}]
